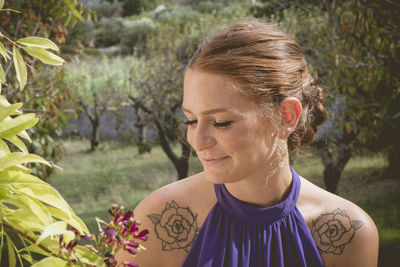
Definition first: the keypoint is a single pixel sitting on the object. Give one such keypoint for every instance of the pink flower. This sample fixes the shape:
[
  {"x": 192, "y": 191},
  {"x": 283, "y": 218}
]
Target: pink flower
[
  {"x": 134, "y": 228},
  {"x": 60, "y": 240},
  {"x": 72, "y": 244},
  {"x": 132, "y": 244},
  {"x": 127, "y": 215},
  {"x": 131, "y": 251},
  {"x": 109, "y": 232},
  {"x": 73, "y": 229},
  {"x": 143, "y": 235}
]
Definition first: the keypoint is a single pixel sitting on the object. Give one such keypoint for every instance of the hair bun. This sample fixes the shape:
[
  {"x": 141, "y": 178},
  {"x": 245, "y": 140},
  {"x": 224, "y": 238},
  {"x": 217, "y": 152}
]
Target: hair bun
[
  {"x": 318, "y": 112},
  {"x": 313, "y": 115}
]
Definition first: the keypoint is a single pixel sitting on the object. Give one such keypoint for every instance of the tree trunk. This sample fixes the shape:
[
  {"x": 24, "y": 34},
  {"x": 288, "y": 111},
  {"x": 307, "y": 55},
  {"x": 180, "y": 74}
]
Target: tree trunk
[
  {"x": 143, "y": 146},
  {"x": 183, "y": 165},
  {"x": 393, "y": 169},
  {"x": 332, "y": 176},
  {"x": 334, "y": 165},
  {"x": 95, "y": 140}
]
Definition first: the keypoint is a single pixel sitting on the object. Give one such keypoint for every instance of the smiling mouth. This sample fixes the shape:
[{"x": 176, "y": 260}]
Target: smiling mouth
[{"x": 214, "y": 161}]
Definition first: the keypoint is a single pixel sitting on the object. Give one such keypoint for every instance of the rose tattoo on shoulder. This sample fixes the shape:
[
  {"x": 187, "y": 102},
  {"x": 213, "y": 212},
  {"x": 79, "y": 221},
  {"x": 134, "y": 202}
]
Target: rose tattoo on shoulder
[
  {"x": 333, "y": 231},
  {"x": 176, "y": 227}
]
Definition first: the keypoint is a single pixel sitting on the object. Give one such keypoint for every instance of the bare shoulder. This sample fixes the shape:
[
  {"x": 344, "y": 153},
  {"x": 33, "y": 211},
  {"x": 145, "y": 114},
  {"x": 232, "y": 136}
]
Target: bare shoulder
[
  {"x": 344, "y": 234},
  {"x": 173, "y": 215}
]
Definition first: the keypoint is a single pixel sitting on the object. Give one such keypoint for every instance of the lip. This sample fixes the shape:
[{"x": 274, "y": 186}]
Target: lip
[{"x": 214, "y": 161}]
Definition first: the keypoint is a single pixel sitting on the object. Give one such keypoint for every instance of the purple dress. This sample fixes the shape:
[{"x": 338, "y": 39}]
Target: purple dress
[{"x": 238, "y": 234}]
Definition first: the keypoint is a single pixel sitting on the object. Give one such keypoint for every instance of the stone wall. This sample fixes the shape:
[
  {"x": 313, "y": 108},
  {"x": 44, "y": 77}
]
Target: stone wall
[{"x": 114, "y": 125}]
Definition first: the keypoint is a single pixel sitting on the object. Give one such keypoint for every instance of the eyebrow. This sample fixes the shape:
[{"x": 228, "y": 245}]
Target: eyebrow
[{"x": 208, "y": 112}]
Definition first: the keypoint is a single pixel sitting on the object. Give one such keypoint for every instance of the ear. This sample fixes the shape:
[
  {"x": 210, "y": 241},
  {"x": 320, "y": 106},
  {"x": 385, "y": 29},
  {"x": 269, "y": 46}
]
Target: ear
[{"x": 290, "y": 109}]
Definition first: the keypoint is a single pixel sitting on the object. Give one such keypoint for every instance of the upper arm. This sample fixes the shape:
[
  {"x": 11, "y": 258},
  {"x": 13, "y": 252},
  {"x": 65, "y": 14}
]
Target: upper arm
[
  {"x": 141, "y": 258},
  {"x": 167, "y": 223},
  {"x": 346, "y": 237}
]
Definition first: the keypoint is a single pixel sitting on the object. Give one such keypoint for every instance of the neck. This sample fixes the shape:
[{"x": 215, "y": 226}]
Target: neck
[{"x": 265, "y": 189}]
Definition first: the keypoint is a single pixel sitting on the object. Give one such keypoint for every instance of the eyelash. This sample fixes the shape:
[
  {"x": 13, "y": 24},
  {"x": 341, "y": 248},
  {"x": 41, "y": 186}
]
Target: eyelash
[{"x": 216, "y": 124}]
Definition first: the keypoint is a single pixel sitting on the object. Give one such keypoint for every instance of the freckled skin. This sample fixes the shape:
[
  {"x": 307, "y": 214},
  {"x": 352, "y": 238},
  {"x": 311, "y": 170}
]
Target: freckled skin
[{"x": 247, "y": 141}]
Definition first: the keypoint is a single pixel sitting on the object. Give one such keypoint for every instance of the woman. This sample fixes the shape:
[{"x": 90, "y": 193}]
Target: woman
[{"x": 250, "y": 102}]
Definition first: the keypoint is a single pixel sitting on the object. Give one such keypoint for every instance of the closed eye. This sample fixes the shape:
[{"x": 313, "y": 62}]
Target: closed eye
[
  {"x": 216, "y": 124},
  {"x": 190, "y": 122},
  {"x": 222, "y": 124}
]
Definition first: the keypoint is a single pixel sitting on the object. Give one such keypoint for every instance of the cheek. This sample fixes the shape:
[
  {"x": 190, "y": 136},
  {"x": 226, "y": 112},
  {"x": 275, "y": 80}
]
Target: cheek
[
  {"x": 189, "y": 137},
  {"x": 254, "y": 143},
  {"x": 241, "y": 141}
]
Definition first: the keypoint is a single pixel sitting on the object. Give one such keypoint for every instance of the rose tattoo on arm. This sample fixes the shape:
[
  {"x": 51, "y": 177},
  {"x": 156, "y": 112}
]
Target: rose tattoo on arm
[
  {"x": 176, "y": 227},
  {"x": 333, "y": 231}
]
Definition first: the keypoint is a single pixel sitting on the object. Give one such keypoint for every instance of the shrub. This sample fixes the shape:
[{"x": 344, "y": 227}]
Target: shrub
[
  {"x": 134, "y": 7},
  {"x": 108, "y": 32},
  {"x": 136, "y": 32},
  {"x": 177, "y": 16},
  {"x": 107, "y": 9},
  {"x": 209, "y": 7}
]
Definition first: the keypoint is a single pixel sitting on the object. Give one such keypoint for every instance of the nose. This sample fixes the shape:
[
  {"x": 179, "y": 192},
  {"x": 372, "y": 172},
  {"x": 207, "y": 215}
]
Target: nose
[{"x": 200, "y": 137}]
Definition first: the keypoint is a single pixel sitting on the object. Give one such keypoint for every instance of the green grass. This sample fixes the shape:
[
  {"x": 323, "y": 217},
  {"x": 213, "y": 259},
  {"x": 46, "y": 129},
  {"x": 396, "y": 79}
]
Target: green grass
[{"x": 91, "y": 182}]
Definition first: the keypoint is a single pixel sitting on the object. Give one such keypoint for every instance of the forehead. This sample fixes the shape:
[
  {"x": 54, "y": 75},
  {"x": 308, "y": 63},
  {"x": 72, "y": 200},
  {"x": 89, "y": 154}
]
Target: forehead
[{"x": 205, "y": 90}]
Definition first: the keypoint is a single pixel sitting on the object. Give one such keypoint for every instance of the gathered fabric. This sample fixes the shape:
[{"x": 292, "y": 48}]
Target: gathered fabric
[{"x": 238, "y": 234}]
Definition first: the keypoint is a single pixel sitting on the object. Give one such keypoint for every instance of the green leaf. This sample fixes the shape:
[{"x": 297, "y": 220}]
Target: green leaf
[
  {"x": 21, "y": 255},
  {"x": 31, "y": 207},
  {"x": 87, "y": 256},
  {"x": 34, "y": 187},
  {"x": 56, "y": 228},
  {"x": 9, "y": 110},
  {"x": 46, "y": 194},
  {"x": 71, "y": 6},
  {"x": 35, "y": 249},
  {"x": 12, "y": 261},
  {"x": 1, "y": 4},
  {"x": 4, "y": 148},
  {"x": 38, "y": 42},
  {"x": 25, "y": 135},
  {"x": 50, "y": 261},
  {"x": 4, "y": 102},
  {"x": 19, "y": 158},
  {"x": 19, "y": 168},
  {"x": 9, "y": 128},
  {"x": 72, "y": 219},
  {"x": 28, "y": 258},
  {"x": 23, "y": 219},
  {"x": 20, "y": 68},
  {"x": 18, "y": 143},
  {"x": 3, "y": 52},
  {"x": 15, "y": 178},
  {"x": 2, "y": 75},
  {"x": 44, "y": 55}
]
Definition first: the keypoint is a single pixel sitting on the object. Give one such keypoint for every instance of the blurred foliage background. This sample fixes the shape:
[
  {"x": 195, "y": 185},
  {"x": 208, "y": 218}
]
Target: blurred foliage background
[{"x": 124, "y": 74}]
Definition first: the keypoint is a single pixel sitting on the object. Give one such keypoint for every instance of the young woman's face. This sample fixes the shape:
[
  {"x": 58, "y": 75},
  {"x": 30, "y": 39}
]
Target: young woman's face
[{"x": 227, "y": 130}]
